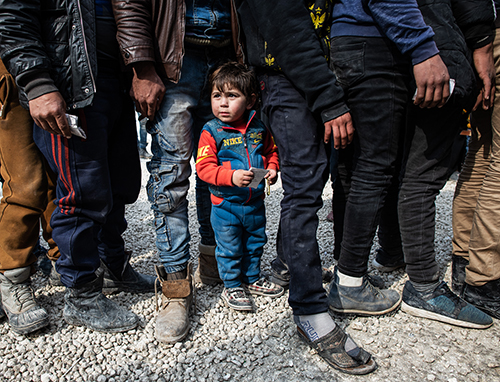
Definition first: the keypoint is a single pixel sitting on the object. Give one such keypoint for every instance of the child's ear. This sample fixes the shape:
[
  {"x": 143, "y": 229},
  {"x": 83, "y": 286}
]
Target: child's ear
[{"x": 251, "y": 101}]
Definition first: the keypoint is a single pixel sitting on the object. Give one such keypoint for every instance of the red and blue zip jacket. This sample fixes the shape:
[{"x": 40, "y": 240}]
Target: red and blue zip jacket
[{"x": 224, "y": 149}]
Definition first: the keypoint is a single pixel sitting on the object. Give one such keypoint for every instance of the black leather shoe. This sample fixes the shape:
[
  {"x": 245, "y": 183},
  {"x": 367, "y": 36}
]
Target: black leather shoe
[
  {"x": 458, "y": 265},
  {"x": 486, "y": 297},
  {"x": 129, "y": 280}
]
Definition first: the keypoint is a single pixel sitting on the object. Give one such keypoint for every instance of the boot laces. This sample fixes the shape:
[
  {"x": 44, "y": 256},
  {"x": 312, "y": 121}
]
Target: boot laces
[{"x": 23, "y": 294}]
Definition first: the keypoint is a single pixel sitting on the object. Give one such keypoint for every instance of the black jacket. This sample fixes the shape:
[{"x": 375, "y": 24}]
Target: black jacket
[
  {"x": 460, "y": 26},
  {"x": 48, "y": 46},
  {"x": 286, "y": 26}
]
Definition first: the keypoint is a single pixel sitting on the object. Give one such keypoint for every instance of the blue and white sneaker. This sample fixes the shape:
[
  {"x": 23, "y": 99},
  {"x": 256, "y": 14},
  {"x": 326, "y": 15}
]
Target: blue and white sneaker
[{"x": 443, "y": 305}]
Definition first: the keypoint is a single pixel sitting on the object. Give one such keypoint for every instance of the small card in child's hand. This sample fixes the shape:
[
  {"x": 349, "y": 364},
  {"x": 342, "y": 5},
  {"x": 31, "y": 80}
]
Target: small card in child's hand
[{"x": 258, "y": 175}]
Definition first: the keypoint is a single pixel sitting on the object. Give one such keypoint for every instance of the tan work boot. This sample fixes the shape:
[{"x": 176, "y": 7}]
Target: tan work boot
[
  {"x": 207, "y": 271},
  {"x": 172, "y": 322}
]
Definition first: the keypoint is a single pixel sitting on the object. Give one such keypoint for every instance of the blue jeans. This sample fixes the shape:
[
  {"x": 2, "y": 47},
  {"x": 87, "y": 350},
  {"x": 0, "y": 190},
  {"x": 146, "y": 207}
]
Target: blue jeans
[
  {"x": 304, "y": 172},
  {"x": 375, "y": 79},
  {"x": 96, "y": 177},
  {"x": 143, "y": 134},
  {"x": 175, "y": 132},
  {"x": 240, "y": 233}
]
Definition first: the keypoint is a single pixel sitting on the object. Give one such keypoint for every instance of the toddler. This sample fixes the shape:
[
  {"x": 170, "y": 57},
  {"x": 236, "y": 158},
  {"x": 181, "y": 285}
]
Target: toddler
[{"x": 230, "y": 145}]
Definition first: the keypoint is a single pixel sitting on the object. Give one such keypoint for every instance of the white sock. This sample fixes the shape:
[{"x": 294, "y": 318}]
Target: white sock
[
  {"x": 349, "y": 281},
  {"x": 315, "y": 326}
]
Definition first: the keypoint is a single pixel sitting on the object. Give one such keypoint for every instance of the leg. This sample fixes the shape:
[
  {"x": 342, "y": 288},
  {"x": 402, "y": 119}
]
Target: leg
[
  {"x": 432, "y": 154},
  {"x": 23, "y": 202},
  {"x": 482, "y": 286},
  {"x": 125, "y": 176},
  {"x": 466, "y": 194},
  {"x": 290, "y": 118},
  {"x": 84, "y": 199},
  {"x": 375, "y": 77}
]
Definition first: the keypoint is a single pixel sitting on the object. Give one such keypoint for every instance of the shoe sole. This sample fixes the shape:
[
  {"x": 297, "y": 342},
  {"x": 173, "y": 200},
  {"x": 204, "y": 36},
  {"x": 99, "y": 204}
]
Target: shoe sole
[
  {"x": 173, "y": 340},
  {"x": 367, "y": 312},
  {"x": 257, "y": 293},
  {"x": 31, "y": 328},
  {"x": 73, "y": 322},
  {"x": 239, "y": 308},
  {"x": 439, "y": 317}
]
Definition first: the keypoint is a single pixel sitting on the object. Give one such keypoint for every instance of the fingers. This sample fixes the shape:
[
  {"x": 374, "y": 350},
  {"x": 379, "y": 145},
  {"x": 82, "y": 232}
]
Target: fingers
[
  {"x": 342, "y": 130},
  {"x": 49, "y": 113}
]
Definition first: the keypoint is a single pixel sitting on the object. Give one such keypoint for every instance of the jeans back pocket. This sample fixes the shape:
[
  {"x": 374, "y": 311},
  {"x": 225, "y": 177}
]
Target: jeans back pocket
[{"x": 347, "y": 62}]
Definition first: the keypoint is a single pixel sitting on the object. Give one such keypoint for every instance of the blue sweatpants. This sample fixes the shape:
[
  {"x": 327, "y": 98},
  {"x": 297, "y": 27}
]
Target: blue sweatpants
[
  {"x": 96, "y": 178},
  {"x": 240, "y": 234}
]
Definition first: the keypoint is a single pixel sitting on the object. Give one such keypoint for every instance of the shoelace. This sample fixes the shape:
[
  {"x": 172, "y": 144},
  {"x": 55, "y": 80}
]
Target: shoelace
[{"x": 22, "y": 293}]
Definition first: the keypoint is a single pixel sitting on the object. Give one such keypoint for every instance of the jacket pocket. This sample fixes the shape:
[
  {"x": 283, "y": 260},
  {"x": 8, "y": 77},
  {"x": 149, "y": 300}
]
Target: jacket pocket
[{"x": 348, "y": 63}]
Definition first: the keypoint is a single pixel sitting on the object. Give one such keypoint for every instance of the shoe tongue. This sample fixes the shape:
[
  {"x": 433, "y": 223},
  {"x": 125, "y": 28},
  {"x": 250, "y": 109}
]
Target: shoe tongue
[{"x": 18, "y": 275}]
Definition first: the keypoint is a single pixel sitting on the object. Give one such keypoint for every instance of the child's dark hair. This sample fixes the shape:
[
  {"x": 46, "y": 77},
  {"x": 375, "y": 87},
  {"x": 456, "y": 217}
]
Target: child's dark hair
[{"x": 236, "y": 76}]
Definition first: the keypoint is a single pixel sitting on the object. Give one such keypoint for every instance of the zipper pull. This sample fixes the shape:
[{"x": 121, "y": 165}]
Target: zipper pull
[{"x": 244, "y": 141}]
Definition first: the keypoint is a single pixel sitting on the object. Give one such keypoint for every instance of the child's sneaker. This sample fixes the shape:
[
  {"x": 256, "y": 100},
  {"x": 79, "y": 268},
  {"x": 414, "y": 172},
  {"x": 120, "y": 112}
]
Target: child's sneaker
[
  {"x": 264, "y": 287},
  {"x": 236, "y": 298}
]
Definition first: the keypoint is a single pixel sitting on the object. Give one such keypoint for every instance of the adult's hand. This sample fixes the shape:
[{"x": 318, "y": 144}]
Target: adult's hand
[
  {"x": 49, "y": 112},
  {"x": 485, "y": 67},
  {"x": 432, "y": 79},
  {"x": 341, "y": 129},
  {"x": 147, "y": 89}
]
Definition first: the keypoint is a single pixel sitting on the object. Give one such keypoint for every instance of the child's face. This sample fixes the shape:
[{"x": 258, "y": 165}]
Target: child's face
[{"x": 230, "y": 105}]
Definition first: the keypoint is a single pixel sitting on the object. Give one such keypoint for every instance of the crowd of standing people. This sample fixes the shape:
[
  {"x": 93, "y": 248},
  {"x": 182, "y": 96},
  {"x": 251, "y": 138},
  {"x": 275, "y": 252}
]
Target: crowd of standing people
[{"x": 388, "y": 84}]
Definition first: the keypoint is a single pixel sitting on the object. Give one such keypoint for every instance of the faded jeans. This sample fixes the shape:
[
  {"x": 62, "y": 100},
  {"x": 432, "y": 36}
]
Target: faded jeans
[{"x": 175, "y": 132}]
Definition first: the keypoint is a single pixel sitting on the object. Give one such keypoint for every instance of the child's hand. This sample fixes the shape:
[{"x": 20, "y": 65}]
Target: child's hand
[
  {"x": 272, "y": 175},
  {"x": 242, "y": 178}
]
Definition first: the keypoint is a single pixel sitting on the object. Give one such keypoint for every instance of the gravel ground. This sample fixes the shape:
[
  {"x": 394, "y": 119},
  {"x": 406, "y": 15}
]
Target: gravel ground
[{"x": 227, "y": 346}]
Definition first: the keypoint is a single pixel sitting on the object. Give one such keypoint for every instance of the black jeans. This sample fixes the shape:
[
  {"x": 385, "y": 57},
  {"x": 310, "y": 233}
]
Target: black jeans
[
  {"x": 304, "y": 172},
  {"x": 375, "y": 79},
  {"x": 433, "y": 150}
]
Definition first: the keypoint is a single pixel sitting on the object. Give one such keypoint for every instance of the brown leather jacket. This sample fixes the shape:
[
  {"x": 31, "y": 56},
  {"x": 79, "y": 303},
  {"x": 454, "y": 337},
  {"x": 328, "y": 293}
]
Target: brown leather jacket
[{"x": 153, "y": 30}]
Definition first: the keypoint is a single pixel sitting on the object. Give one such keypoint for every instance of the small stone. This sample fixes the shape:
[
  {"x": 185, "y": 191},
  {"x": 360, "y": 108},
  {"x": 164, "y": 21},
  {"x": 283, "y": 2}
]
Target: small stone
[
  {"x": 493, "y": 365},
  {"x": 356, "y": 325},
  {"x": 431, "y": 377},
  {"x": 46, "y": 377},
  {"x": 101, "y": 378}
]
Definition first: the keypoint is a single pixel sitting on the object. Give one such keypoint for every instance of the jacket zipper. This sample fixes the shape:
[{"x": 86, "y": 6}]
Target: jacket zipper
[
  {"x": 246, "y": 148},
  {"x": 85, "y": 47}
]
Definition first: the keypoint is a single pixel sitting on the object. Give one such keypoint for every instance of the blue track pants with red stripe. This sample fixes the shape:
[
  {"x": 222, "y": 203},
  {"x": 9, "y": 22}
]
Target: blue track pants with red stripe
[{"x": 96, "y": 178}]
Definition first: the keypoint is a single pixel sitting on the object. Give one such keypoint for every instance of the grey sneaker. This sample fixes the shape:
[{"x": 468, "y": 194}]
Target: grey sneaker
[
  {"x": 443, "y": 305},
  {"x": 18, "y": 300},
  {"x": 365, "y": 299},
  {"x": 236, "y": 299}
]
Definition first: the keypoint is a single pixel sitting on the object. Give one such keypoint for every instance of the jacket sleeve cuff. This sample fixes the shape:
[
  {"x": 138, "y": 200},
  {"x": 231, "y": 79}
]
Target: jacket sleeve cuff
[
  {"x": 423, "y": 52},
  {"x": 37, "y": 83},
  {"x": 334, "y": 112},
  {"x": 480, "y": 35}
]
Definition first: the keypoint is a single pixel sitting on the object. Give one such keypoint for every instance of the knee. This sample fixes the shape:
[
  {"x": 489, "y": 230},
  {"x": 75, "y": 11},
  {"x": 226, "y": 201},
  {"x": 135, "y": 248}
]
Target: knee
[{"x": 168, "y": 186}]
